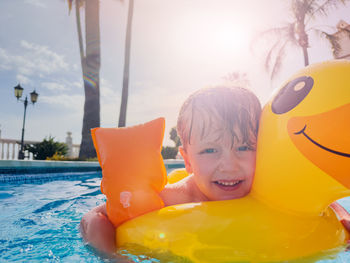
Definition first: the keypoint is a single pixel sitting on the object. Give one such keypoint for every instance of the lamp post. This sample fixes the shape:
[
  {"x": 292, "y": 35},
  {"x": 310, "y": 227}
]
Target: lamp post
[{"x": 33, "y": 98}]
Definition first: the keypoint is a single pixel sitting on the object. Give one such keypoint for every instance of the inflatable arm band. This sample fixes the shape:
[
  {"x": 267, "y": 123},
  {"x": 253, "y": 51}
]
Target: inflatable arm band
[{"x": 133, "y": 172}]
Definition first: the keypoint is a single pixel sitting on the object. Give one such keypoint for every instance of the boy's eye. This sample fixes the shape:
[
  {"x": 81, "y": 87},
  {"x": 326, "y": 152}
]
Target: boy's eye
[
  {"x": 242, "y": 148},
  {"x": 209, "y": 150}
]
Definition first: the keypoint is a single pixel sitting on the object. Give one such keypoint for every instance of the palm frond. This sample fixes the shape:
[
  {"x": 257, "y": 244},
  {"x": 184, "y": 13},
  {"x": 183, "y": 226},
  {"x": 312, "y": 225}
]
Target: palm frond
[
  {"x": 276, "y": 31},
  {"x": 79, "y": 3},
  {"x": 270, "y": 54},
  {"x": 310, "y": 7},
  {"x": 278, "y": 60},
  {"x": 70, "y": 3},
  {"x": 269, "y": 35},
  {"x": 334, "y": 41},
  {"x": 301, "y": 8},
  {"x": 281, "y": 37},
  {"x": 347, "y": 31},
  {"x": 325, "y": 7}
]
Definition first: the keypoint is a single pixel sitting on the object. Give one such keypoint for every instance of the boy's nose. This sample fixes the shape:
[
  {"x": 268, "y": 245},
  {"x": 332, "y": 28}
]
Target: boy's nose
[{"x": 228, "y": 162}]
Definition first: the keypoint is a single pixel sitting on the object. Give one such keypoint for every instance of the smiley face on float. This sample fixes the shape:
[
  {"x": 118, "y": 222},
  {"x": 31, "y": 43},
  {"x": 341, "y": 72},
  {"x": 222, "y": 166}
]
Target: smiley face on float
[{"x": 305, "y": 131}]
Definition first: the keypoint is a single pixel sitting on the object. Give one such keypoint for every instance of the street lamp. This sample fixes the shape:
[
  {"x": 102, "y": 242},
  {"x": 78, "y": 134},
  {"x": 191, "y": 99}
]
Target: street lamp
[{"x": 33, "y": 98}]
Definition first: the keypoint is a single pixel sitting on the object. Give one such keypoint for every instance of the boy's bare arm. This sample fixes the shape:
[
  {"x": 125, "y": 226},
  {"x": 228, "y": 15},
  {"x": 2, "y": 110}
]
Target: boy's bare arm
[
  {"x": 184, "y": 191},
  {"x": 343, "y": 215},
  {"x": 97, "y": 230}
]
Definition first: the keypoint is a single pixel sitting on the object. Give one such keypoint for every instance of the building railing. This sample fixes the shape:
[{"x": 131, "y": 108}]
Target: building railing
[{"x": 9, "y": 148}]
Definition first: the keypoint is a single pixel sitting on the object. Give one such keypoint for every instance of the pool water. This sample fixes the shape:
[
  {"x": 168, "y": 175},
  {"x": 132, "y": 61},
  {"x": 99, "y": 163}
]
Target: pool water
[{"x": 40, "y": 222}]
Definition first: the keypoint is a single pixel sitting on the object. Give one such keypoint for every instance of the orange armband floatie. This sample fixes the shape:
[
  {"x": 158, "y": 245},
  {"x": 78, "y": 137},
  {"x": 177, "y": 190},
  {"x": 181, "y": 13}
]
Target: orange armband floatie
[{"x": 133, "y": 172}]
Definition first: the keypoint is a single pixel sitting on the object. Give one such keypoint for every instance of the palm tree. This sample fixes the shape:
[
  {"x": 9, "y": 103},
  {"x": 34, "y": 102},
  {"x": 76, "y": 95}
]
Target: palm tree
[
  {"x": 295, "y": 33},
  {"x": 237, "y": 78},
  {"x": 339, "y": 40},
  {"x": 90, "y": 64},
  {"x": 125, "y": 89}
]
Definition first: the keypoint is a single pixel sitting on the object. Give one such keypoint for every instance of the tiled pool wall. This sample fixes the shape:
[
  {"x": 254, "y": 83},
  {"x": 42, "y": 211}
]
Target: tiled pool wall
[
  {"x": 172, "y": 164},
  {"x": 29, "y": 171}
]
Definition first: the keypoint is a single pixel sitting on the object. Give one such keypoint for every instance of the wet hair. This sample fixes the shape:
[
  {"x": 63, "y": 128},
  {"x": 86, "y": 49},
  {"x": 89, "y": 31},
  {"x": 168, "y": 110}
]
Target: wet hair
[{"x": 224, "y": 108}]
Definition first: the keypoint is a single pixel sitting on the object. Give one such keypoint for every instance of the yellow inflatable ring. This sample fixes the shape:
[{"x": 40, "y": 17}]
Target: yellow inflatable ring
[{"x": 177, "y": 175}]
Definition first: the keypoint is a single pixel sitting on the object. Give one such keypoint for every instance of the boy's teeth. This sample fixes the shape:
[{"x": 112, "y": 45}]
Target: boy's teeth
[{"x": 228, "y": 183}]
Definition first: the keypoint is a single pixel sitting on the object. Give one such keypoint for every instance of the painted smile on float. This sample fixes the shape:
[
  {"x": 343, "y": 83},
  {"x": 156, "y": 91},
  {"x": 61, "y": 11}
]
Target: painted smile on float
[
  {"x": 320, "y": 145},
  {"x": 320, "y": 140}
]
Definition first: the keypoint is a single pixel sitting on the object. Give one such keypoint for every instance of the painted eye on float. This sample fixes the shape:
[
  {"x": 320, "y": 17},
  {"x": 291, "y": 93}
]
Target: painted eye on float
[{"x": 292, "y": 94}]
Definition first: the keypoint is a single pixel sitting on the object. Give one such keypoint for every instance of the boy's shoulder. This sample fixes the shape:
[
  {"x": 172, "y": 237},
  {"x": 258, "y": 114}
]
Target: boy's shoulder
[{"x": 184, "y": 191}]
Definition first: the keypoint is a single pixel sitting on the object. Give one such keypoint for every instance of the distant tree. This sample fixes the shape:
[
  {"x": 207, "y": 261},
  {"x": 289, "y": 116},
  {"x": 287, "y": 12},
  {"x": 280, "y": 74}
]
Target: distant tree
[
  {"x": 336, "y": 40},
  {"x": 46, "y": 149},
  {"x": 125, "y": 89},
  {"x": 174, "y": 137},
  {"x": 169, "y": 152},
  {"x": 90, "y": 64},
  {"x": 237, "y": 78},
  {"x": 294, "y": 33}
]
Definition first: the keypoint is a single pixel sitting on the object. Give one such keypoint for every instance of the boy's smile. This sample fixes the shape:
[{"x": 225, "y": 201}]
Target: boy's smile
[{"x": 228, "y": 185}]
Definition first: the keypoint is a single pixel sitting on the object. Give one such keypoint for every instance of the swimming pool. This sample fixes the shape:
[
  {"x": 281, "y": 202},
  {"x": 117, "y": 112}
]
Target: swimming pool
[{"x": 40, "y": 220}]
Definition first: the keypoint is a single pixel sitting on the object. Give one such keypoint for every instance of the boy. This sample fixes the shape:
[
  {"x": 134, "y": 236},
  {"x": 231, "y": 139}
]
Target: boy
[{"x": 218, "y": 129}]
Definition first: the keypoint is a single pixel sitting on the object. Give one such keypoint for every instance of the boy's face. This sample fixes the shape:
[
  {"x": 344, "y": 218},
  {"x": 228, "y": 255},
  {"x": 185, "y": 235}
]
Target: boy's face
[{"x": 222, "y": 170}]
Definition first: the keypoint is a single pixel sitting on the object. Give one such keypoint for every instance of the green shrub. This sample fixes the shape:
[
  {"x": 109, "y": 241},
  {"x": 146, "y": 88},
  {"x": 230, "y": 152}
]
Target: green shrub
[
  {"x": 47, "y": 149},
  {"x": 174, "y": 137},
  {"x": 57, "y": 157},
  {"x": 169, "y": 152}
]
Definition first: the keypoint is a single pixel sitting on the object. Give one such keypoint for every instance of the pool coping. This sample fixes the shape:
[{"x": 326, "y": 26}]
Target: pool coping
[
  {"x": 16, "y": 167},
  {"x": 37, "y": 163},
  {"x": 10, "y": 167}
]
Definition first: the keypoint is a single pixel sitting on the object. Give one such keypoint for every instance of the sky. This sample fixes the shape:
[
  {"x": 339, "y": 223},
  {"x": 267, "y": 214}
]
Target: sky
[{"x": 177, "y": 48}]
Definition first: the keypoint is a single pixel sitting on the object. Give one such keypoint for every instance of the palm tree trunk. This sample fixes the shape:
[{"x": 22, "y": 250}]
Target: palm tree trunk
[
  {"x": 125, "y": 90},
  {"x": 80, "y": 35},
  {"x": 91, "y": 76},
  {"x": 303, "y": 38},
  {"x": 306, "y": 56}
]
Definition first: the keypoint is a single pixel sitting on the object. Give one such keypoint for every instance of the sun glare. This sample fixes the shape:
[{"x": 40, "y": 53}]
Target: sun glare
[
  {"x": 230, "y": 39},
  {"x": 213, "y": 35}
]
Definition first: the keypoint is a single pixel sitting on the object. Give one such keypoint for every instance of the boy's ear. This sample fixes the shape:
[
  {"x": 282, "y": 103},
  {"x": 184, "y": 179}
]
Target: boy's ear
[{"x": 186, "y": 160}]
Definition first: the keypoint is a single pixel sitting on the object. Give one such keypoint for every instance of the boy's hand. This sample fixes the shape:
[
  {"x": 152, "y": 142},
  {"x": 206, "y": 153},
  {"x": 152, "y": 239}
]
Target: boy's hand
[
  {"x": 343, "y": 215},
  {"x": 97, "y": 230}
]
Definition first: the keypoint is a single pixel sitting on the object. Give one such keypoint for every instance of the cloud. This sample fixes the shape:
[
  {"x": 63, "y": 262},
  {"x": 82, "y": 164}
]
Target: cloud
[
  {"x": 54, "y": 86},
  {"x": 39, "y": 3},
  {"x": 75, "y": 103},
  {"x": 110, "y": 103},
  {"x": 45, "y": 60},
  {"x": 22, "y": 79},
  {"x": 108, "y": 94},
  {"x": 148, "y": 93},
  {"x": 35, "y": 60},
  {"x": 77, "y": 84},
  {"x": 146, "y": 101},
  {"x": 5, "y": 60},
  {"x": 76, "y": 67}
]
